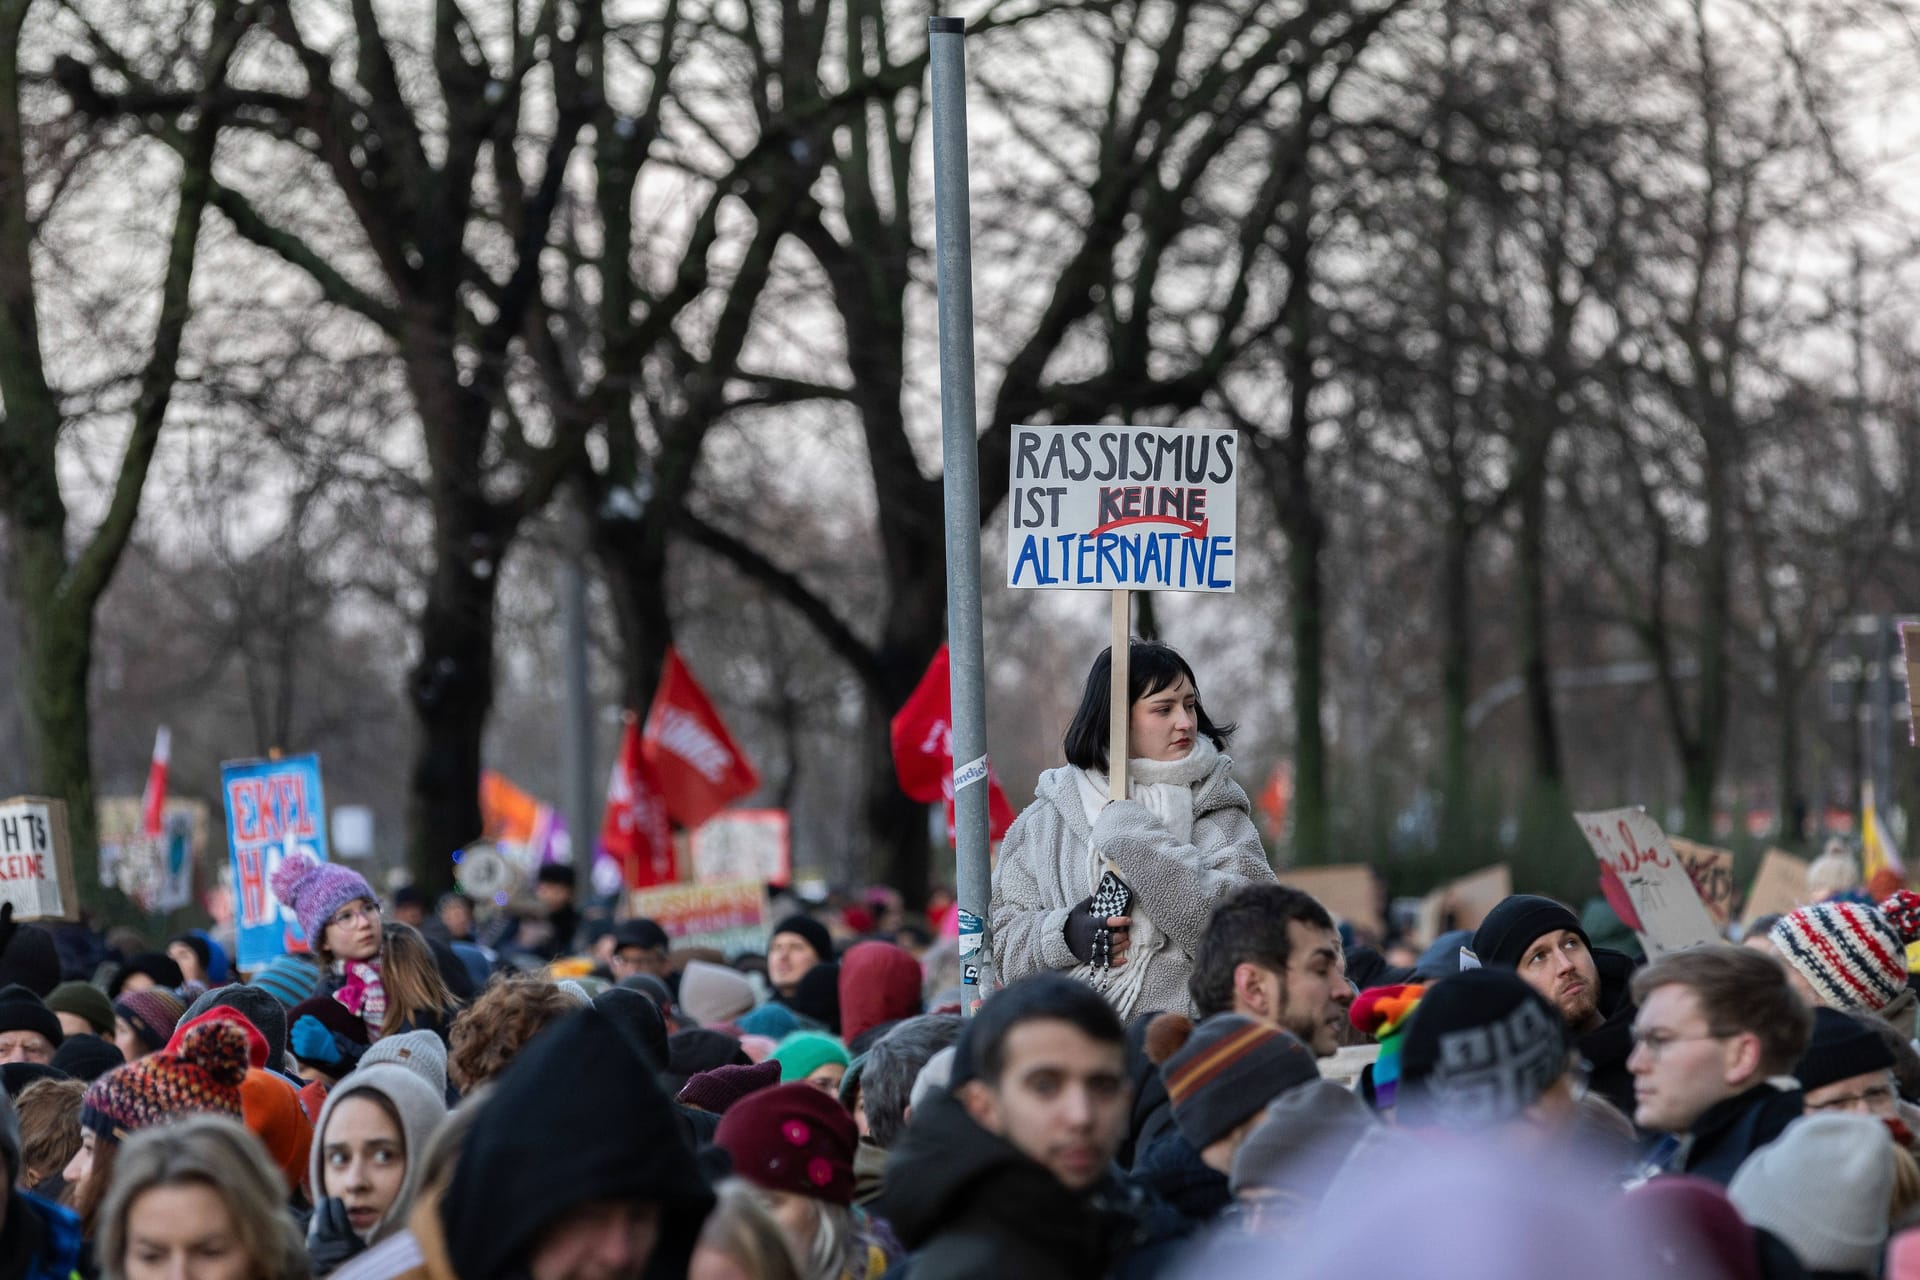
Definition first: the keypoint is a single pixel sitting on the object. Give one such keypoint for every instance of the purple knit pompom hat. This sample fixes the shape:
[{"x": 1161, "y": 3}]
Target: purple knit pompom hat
[{"x": 314, "y": 890}]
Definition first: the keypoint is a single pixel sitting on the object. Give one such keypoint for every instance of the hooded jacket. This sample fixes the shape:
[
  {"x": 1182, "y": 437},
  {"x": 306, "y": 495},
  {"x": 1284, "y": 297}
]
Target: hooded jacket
[
  {"x": 576, "y": 1118},
  {"x": 968, "y": 1204},
  {"x": 1042, "y": 876},
  {"x": 1731, "y": 1130},
  {"x": 420, "y": 1110},
  {"x": 879, "y": 983}
]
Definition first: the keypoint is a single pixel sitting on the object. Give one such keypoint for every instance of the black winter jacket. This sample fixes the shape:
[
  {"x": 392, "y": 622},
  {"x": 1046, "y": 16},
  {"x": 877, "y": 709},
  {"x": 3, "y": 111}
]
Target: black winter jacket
[{"x": 1731, "y": 1130}]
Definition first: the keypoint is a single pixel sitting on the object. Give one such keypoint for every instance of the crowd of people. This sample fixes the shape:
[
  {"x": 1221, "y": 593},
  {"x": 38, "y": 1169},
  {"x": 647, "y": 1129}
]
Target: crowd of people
[{"x": 1184, "y": 1068}]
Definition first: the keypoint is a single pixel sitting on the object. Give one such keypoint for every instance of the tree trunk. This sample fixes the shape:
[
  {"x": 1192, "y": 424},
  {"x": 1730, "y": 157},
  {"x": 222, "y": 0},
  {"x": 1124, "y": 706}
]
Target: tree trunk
[{"x": 1456, "y": 686}]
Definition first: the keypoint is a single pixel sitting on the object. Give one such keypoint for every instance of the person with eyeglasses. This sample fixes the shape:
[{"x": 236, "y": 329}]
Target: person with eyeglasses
[
  {"x": 1848, "y": 1068},
  {"x": 1718, "y": 1034}
]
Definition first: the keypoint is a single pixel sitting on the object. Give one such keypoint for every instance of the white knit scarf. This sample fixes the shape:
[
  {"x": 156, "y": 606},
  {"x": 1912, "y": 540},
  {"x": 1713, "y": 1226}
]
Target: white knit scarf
[{"x": 1165, "y": 789}]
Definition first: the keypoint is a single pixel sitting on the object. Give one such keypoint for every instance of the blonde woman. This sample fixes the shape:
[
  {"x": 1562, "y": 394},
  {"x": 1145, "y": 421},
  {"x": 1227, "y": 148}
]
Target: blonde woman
[{"x": 199, "y": 1198}]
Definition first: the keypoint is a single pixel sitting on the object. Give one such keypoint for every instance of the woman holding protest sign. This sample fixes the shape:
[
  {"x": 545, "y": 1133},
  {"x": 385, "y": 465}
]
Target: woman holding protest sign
[{"x": 1118, "y": 892}]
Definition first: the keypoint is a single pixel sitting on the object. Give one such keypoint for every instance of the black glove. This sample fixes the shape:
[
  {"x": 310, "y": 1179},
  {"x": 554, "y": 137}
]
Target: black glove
[
  {"x": 1081, "y": 927},
  {"x": 331, "y": 1239}
]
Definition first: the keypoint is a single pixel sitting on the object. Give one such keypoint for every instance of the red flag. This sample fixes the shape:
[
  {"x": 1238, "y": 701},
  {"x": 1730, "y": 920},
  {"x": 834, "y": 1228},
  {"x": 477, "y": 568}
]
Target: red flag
[
  {"x": 635, "y": 832},
  {"x": 1276, "y": 798},
  {"x": 153, "y": 802},
  {"x": 922, "y": 734},
  {"x": 701, "y": 770}
]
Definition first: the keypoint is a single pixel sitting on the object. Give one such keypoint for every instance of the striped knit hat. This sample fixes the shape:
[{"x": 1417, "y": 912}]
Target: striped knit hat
[
  {"x": 1854, "y": 956},
  {"x": 1224, "y": 1071},
  {"x": 204, "y": 1075},
  {"x": 1382, "y": 1013},
  {"x": 152, "y": 1013},
  {"x": 289, "y": 978}
]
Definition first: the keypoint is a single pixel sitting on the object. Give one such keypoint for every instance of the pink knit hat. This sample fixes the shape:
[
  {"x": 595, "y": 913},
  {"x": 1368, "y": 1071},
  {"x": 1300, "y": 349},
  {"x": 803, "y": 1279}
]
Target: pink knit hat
[{"x": 314, "y": 890}]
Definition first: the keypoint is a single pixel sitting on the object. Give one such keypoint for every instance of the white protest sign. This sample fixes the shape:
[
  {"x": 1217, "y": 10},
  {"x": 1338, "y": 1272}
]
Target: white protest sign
[
  {"x": 1122, "y": 508},
  {"x": 1632, "y": 849},
  {"x": 744, "y": 844},
  {"x": 36, "y": 864}
]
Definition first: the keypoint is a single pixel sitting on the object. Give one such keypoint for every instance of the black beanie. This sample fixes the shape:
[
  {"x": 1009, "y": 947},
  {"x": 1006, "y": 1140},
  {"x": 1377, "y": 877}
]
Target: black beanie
[
  {"x": 88, "y": 1057},
  {"x": 1481, "y": 1048},
  {"x": 1510, "y": 928},
  {"x": 27, "y": 955},
  {"x": 16, "y": 1076},
  {"x": 818, "y": 996},
  {"x": 157, "y": 965},
  {"x": 1842, "y": 1047},
  {"x": 811, "y": 930},
  {"x": 22, "y": 1010}
]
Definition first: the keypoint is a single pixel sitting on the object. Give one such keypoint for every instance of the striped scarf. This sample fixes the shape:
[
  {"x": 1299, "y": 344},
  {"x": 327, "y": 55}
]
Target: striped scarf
[{"x": 363, "y": 994}]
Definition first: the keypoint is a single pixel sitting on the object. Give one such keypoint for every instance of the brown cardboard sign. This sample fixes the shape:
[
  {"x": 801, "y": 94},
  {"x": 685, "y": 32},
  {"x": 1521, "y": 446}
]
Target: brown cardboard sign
[
  {"x": 1712, "y": 872},
  {"x": 1347, "y": 891}
]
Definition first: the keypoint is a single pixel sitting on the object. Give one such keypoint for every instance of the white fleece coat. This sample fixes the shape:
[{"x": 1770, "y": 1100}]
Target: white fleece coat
[{"x": 1043, "y": 874}]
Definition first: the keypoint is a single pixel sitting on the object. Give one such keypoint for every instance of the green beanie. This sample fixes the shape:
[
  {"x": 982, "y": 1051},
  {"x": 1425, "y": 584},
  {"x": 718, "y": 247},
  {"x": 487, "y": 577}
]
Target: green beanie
[
  {"x": 84, "y": 1000},
  {"x": 805, "y": 1052}
]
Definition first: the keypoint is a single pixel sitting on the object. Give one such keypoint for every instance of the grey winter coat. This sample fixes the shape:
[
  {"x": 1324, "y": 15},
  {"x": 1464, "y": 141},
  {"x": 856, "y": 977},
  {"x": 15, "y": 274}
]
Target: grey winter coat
[{"x": 1043, "y": 868}]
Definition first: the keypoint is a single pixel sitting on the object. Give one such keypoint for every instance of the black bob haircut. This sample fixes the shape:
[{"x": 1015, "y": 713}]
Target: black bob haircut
[
  {"x": 1150, "y": 668},
  {"x": 981, "y": 1052}
]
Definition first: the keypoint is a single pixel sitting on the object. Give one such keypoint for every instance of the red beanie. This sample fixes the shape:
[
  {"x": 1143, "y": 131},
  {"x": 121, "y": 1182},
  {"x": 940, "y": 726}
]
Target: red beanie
[
  {"x": 879, "y": 982},
  {"x": 792, "y": 1138},
  {"x": 257, "y": 1048}
]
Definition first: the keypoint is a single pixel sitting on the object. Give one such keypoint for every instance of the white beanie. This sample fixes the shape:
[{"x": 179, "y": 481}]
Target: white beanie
[
  {"x": 711, "y": 993},
  {"x": 418, "y": 1051},
  {"x": 1823, "y": 1187}
]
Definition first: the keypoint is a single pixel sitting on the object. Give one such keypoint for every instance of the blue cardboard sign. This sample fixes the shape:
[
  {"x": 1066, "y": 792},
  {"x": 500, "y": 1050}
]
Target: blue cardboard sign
[{"x": 274, "y": 808}]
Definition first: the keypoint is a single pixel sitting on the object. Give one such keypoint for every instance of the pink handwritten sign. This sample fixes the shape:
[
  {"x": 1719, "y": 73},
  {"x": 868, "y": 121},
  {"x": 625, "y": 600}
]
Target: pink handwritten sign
[{"x": 1638, "y": 861}]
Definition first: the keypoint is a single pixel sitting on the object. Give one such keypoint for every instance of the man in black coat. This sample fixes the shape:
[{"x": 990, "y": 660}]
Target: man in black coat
[
  {"x": 1717, "y": 1036},
  {"x": 1542, "y": 941},
  {"x": 1010, "y": 1173}
]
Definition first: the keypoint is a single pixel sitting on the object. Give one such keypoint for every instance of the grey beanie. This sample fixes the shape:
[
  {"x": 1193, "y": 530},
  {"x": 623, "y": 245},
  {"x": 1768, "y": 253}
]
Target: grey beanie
[
  {"x": 1822, "y": 1186},
  {"x": 933, "y": 1077},
  {"x": 711, "y": 993},
  {"x": 1302, "y": 1141},
  {"x": 418, "y": 1051},
  {"x": 420, "y": 1108},
  {"x": 268, "y": 1015}
]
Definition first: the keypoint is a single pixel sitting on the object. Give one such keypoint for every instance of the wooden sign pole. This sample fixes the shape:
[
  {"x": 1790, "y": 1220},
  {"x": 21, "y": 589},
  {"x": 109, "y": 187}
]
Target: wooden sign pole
[{"x": 1120, "y": 707}]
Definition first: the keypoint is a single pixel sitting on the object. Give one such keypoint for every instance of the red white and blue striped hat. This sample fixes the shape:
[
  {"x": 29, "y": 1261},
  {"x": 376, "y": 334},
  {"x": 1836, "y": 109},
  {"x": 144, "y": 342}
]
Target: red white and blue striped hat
[{"x": 1852, "y": 954}]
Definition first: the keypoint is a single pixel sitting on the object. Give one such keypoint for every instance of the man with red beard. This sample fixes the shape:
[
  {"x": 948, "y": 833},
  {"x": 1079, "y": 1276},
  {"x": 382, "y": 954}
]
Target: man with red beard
[{"x": 1543, "y": 942}]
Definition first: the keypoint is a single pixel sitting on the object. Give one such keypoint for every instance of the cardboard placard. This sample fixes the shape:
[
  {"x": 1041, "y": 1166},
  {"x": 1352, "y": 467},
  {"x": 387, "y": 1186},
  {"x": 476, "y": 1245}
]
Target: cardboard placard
[
  {"x": 744, "y": 844},
  {"x": 274, "y": 808},
  {"x": 157, "y": 872},
  {"x": 1712, "y": 873},
  {"x": 1347, "y": 891},
  {"x": 36, "y": 859},
  {"x": 1122, "y": 508},
  {"x": 730, "y": 917},
  {"x": 1778, "y": 887},
  {"x": 1633, "y": 849},
  {"x": 1467, "y": 900}
]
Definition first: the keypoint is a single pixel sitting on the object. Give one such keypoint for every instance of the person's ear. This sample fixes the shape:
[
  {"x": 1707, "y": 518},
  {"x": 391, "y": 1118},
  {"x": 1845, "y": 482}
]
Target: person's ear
[
  {"x": 1743, "y": 1058},
  {"x": 1249, "y": 991},
  {"x": 982, "y": 1107}
]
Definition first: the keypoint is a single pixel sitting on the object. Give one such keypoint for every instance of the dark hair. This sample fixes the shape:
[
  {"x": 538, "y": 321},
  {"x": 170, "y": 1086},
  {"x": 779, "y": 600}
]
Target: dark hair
[
  {"x": 1150, "y": 668},
  {"x": 1051, "y": 997},
  {"x": 1250, "y": 927},
  {"x": 1739, "y": 991},
  {"x": 886, "y": 1082}
]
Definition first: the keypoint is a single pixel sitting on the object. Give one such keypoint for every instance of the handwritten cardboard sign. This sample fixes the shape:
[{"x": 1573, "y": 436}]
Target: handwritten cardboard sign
[
  {"x": 744, "y": 844},
  {"x": 1347, "y": 891},
  {"x": 730, "y": 917},
  {"x": 1778, "y": 887},
  {"x": 274, "y": 808},
  {"x": 1465, "y": 902},
  {"x": 36, "y": 861},
  {"x": 1665, "y": 909},
  {"x": 1711, "y": 870},
  {"x": 1126, "y": 508}
]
